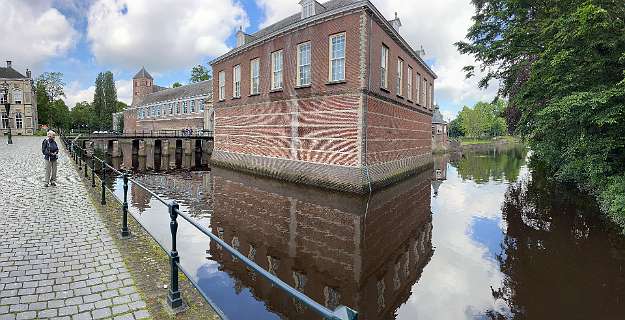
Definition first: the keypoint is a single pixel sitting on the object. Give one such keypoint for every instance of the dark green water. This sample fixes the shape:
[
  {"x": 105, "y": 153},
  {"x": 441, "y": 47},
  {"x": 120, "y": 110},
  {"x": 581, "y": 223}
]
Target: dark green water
[{"x": 480, "y": 236}]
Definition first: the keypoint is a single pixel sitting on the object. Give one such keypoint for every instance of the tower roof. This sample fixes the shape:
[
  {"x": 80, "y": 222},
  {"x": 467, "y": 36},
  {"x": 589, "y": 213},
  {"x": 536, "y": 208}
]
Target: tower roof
[
  {"x": 142, "y": 74},
  {"x": 437, "y": 117}
]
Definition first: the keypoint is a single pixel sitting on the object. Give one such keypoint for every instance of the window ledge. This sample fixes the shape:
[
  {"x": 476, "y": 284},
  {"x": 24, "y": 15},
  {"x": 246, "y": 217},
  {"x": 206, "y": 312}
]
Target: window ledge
[
  {"x": 385, "y": 90},
  {"x": 235, "y": 98},
  {"x": 400, "y": 97},
  {"x": 409, "y": 100},
  {"x": 276, "y": 90},
  {"x": 336, "y": 82},
  {"x": 303, "y": 86},
  {"x": 254, "y": 94}
]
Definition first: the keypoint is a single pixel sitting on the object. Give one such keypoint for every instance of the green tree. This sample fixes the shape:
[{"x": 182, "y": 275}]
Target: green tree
[
  {"x": 83, "y": 116},
  {"x": 121, "y": 106},
  {"x": 176, "y": 84},
  {"x": 455, "y": 128},
  {"x": 48, "y": 88},
  {"x": 105, "y": 100},
  {"x": 562, "y": 66},
  {"x": 199, "y": 73}
]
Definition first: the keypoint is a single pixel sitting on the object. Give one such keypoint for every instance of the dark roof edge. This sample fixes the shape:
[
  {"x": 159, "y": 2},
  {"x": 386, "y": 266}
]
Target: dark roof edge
[{"x": 361, "y": 4}]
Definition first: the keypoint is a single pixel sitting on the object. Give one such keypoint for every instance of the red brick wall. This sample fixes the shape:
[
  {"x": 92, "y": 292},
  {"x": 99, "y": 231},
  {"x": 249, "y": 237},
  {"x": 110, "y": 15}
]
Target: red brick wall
[
  {"x": 395, "y": 132},
  {"x": 323, "y": 129}
]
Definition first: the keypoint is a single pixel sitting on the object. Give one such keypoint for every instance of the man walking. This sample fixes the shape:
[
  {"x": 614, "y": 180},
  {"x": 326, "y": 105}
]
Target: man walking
[{"x": 50, "y": 151}]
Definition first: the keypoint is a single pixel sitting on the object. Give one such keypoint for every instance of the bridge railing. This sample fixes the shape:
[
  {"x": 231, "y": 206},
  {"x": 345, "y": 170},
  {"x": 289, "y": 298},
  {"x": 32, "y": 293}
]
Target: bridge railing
[
  {"x": 174, "y": 299},
  {"x": 147, "y": 134}
]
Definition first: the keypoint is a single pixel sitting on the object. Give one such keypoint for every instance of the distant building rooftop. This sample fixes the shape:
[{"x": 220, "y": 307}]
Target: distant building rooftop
[{"x": 190, "y": 90}]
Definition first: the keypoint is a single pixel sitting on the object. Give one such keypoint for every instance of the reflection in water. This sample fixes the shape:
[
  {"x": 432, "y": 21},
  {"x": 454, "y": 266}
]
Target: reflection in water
[
  {"x": 497, "y": 163},
  {"x": 559, "y": 255},
  {"x": 330, "y": 246},
  {"x": 508, "y": 244}
]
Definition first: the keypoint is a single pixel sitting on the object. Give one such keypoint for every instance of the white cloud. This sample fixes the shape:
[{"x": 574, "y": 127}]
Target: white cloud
[
  {"x": 74, "y": 93},
  {"x": 276, "y": 10},
  {"x": 33, "y": 32},
  {"x": 161, "y": 34}
]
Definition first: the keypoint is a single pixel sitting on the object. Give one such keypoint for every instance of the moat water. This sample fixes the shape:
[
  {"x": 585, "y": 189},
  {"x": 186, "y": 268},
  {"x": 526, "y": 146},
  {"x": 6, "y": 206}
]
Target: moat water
[{"x": 479, "y": 236}]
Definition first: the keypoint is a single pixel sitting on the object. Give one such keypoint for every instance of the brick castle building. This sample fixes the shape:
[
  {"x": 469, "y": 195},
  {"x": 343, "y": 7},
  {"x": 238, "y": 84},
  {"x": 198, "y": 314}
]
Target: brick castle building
[
  {"x": 331, "y": 96},
  {"x": 23, "y": 100},
  {"x": 155, "y": 108}
]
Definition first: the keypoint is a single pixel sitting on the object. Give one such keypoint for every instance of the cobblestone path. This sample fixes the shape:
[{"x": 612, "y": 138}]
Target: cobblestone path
[{"x": 57, "y": 260}]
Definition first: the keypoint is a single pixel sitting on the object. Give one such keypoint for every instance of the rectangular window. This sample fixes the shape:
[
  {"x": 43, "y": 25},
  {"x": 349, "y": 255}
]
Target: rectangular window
[
  {"x": 236, "y": 81},
  {"x": 201, "y": 104},
  {"x": 409, "y": 88},
  {"x": 337, "y": 57},
  {"x": 418, "y": 85},
  {"x": 384, "y": 68},
  {"x": 171, "y": 108},
  {"x": 303, "y": 64},
  {"x": 400, "y": 77},
  {"x": 184, "y": 107},
  {"x": 308, "y": 10},
  {"x": 17, "y": 96},
  {"x": 177, "y": 107},
  {"x": 2, "y": 99},
  {"x": 192, "y": 105},
  {"x": 276, "y": 70},
  {"x": 222, "y": 85},
  {"x": 158, "y": 110},
  {"x": 255, "y": 76},
  {"x": 430, "y": 96},
  {"x": 18, "y": 120}
]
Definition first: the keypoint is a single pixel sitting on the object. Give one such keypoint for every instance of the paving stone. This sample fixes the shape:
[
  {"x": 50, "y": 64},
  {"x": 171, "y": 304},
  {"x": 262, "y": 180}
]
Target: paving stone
[
  {"x": 141, "y": 314},
  {"x": 127, "y": 316},
  {"x": 65, "y": 260},
  {"x": 101, "y": 313}
]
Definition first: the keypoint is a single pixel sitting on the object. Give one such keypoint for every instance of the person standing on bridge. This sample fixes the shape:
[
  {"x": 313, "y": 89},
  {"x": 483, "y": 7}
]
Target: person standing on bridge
[{"x": 50, "y": 151}]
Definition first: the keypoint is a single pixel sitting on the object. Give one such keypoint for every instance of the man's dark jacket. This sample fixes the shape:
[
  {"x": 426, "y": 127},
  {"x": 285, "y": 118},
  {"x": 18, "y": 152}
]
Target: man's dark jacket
[{"x": 50, "y": 149}]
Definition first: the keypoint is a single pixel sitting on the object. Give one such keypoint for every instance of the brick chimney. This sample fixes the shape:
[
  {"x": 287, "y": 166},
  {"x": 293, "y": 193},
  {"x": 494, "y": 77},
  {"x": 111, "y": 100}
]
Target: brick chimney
[
  {"x": 28, "y": 73},
  {"x": 8, "y": 63}
]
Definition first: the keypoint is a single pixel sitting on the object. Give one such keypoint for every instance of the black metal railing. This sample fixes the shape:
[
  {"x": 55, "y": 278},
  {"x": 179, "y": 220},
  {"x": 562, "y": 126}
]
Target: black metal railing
[
  {"x": 174, "y": 299},
  {"x": 198, "y": 133}
]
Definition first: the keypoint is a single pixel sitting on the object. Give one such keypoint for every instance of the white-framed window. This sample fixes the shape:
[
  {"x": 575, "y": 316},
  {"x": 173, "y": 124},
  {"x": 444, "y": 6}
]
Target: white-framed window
[
  {"x": 308, "y": 9},
  {"x": 177, "y": 107},
  {"x": 236, "y": 81},
  {"x": 222, "y": 85},
  {"x": 418, "y": 83},
  {"x": 337, "y": 57},
  {"x": 19, "y": 121},
  {"x": 425, "y": 93},
  {"x": 158, "y": 110},
  {"x": 184, "y": 107},
  {"x": 276, "y": 70},
  {"x": 201, "y": 105},
  {"x": 171, "y": 108},
  {"x": 5, "y": 120},
  {"x": 2, "y": 99},
  {"x": 409, "y": 88},
  {"x": 17, "y": 96},
  {"x": 255, "y": 76},
  {"x": 430, "y": 95},
  {"x": 192, "y": 106},
  {"x": 303, "y": 64},
  {"x": 400, "y": 77},
  {"x": 384, "y": 67}
]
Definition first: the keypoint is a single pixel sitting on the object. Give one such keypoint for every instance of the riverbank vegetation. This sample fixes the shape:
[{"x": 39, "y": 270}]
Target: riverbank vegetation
[{"x": 561, "y": 65}]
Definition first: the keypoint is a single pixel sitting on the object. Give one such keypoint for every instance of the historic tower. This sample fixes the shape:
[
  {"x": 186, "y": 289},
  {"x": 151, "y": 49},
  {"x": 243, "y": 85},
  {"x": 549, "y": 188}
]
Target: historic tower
[{"x": 142, "y": 84}]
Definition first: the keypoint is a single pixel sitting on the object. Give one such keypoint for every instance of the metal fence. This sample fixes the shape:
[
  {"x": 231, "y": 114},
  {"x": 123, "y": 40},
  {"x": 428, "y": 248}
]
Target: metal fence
[
  {"x": 174, "y": 299},
  {"x": 191, "y": 133}
]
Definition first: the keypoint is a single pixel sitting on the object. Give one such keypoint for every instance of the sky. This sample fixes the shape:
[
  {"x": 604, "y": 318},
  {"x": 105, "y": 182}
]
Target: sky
[{"x": 81, "y": 38}]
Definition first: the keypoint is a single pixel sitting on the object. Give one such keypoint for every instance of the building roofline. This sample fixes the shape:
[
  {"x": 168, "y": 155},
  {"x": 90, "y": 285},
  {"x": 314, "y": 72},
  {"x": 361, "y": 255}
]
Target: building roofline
[{"x": 365, "y": 4}]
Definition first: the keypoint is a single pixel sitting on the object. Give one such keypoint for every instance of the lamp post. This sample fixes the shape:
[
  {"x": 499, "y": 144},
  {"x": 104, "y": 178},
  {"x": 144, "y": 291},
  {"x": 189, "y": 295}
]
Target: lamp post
[{"x": 7, "y": 106}]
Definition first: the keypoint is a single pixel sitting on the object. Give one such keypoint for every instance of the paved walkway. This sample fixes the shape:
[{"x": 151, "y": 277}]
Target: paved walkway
[{"x": 57, "y": 260}]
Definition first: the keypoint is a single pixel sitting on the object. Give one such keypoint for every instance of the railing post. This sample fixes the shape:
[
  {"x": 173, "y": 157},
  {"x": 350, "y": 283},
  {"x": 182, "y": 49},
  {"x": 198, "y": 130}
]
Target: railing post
[
  {"x": 174, "y": 300},
  {"x": 103, "y": 182},
  {"x": 93, "y": 171},
  {"x": 86, "y": 165},
  {"x": 125, "y": 232},
  {"x": 79, "y": 160}
]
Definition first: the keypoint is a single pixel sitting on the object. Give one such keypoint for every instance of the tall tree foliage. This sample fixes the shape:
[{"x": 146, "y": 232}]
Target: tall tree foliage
[
  {"x": 200, "y": 73},
  {"x": 483, "y": 120},
  {"x": 105, "y": 99},
  {"x": 562, "y": 65},
  {"x": 48, "y": 88}
]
